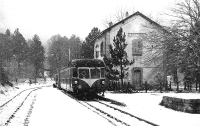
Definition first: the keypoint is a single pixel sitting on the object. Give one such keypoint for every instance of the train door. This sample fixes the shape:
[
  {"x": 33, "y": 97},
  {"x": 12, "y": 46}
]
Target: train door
[{"x": 68, "y": 82}]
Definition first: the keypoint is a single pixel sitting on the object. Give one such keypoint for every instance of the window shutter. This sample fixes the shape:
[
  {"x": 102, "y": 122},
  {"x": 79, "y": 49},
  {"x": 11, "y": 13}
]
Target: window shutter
[{"x": 137, "y": 46}]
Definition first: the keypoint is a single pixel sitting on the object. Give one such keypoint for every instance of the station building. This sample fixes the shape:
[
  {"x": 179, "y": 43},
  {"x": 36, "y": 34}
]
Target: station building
[{"x": 133, "y": 26}]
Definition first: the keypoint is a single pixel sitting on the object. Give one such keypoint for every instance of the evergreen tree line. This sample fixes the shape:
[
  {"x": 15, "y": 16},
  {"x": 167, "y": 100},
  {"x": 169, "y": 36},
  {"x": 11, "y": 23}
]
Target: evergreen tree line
[
  {"x": 22, "y": 58},
  {"x": 19, "y": 58},
  {"x": 63, "y": 49}
]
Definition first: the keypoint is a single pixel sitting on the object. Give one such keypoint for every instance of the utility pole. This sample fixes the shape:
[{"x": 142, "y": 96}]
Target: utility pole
[{"x": 69, "y": 54}]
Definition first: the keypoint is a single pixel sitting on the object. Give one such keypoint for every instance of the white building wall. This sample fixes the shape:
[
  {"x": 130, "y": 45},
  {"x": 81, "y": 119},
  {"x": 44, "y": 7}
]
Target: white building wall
[
  {"x": 133, "y": 25},
  {"x": 97, "y": 47}
]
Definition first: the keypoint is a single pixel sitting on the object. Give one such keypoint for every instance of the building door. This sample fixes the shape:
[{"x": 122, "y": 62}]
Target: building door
[{"x": 137, "y": 77}]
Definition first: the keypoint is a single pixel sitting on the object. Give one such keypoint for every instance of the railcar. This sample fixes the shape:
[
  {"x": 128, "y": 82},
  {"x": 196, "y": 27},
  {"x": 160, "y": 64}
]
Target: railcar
[{"x": 83, "y": 76}]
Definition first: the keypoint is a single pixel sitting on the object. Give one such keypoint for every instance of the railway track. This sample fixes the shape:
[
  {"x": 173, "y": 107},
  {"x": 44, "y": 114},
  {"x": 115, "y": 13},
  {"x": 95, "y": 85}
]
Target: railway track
[
  {"x": 16, "y": 110},
  {"x": 114, "y": 115},
  {"x": 127, "y": 116}
]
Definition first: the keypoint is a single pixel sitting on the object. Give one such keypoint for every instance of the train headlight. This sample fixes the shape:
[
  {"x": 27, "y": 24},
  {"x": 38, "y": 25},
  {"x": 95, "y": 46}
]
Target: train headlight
[
  {"x": 75, "y": 82},
  {"x": 103, "y": 82}
]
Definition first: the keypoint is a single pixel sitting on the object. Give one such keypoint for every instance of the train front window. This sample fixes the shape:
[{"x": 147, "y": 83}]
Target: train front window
[
  {"x": 83, "y": 73},
  {"x": 102, "y": 72},
  {"x": 95, "y": 73},
  {"x": 75, "y": 74}
]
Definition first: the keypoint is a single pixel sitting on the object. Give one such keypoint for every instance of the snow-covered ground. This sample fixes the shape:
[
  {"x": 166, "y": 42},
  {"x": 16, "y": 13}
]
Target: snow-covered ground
[
  {"x": 52, "y": 107},
  {"x": 146, "y": 106},
  {"x": 8, "y": 92},
  {"x": 59, "y": 109}
]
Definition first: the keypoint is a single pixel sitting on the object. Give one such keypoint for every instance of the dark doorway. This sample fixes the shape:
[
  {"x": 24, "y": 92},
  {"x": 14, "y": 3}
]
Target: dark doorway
[{"x": 137, "y": 77}]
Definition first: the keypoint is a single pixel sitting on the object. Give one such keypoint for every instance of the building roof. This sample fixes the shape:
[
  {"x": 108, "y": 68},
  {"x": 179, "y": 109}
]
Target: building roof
[{"x": 134, "y": 14}]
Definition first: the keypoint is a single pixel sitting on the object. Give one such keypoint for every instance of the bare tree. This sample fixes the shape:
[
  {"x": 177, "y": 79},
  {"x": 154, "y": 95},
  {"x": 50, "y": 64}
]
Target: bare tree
[
  {"x": 177, "y": 46},
  {"x": 120, "y": 14},
  {"x": 106, "y": 22},
  {"x": 186, "y": 13},
  {"x": 162, "y": 49},
  {"x": 187, "y": 20}
]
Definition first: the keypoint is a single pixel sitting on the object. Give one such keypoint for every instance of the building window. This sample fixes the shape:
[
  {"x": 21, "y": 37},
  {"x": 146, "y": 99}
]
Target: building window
[
  {"x": 137, "y": 46},
  {"x": 101, "y": 49},
  {"x": 97, "y": 54},
  {"x": 97, "y": 51}
]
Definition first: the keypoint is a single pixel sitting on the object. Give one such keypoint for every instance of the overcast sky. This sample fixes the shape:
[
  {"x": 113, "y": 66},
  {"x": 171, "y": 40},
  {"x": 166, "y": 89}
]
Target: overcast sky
[{"x": 66, "y": 17}]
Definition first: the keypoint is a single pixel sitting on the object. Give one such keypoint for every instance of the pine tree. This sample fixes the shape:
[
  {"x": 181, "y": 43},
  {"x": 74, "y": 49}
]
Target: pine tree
[
  {"x": 88, "y": 44},
  {"x": 55, "y": 52},
  {"x": 36, "y": 55},
  {"x": 119, "y": 57},
  {"x": 20, "y": 47},
  {"x": 75, "y": 47},
  {"x": 5, "y": 56}
]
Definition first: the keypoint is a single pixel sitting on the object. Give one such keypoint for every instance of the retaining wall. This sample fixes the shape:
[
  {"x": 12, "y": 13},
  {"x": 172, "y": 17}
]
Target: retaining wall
[{"x": 180, "y": 104}]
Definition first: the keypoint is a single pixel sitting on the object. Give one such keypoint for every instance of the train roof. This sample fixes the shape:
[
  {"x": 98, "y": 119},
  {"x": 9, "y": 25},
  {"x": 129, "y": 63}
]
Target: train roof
[{"x": 87, "y": 63}]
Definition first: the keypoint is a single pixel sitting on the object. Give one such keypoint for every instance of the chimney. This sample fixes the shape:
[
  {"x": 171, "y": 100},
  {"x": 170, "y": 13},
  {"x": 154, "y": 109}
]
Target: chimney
[
  {"x": 110, "y": 24},
  {"x": 127, "y": 14}
]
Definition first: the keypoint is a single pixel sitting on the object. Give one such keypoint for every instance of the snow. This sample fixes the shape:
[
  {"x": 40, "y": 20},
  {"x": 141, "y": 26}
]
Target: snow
[
  {"x": 12, "y": 108},
  {"x": 59, "y": 109},
  {"x": 146, "y": 106},
  {"x": 8, "y": 92},
  {"x": 123, "y": 117},
  {"x": 184, "y": 95},
  {"x": 22, "y": 113},
  {"x": 53, "y": 107}
]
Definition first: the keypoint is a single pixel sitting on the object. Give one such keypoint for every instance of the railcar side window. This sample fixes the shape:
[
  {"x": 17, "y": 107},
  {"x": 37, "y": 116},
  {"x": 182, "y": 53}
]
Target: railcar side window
[
  {"x": 83, "y": 73},
  {"x": 95, "y": 73},
  {"x": 75, "y": 72},
  {"x": 102, "y": 72}
]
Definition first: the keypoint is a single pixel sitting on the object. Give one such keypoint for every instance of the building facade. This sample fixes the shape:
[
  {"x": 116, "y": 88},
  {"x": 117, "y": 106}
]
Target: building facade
[{"x": 134, "y": 28}]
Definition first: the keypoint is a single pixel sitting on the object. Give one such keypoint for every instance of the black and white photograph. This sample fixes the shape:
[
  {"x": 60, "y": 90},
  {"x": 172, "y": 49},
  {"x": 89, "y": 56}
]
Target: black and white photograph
[{"x": 99, "y": 63}]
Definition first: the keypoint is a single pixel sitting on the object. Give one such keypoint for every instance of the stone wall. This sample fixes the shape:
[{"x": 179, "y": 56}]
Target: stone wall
[{"x": 179, "y": 104}]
